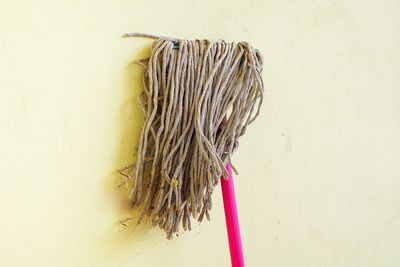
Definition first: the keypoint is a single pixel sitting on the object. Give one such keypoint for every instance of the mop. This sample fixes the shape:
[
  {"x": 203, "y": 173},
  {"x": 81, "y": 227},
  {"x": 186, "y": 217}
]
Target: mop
[{"x": 199, "y": 97}]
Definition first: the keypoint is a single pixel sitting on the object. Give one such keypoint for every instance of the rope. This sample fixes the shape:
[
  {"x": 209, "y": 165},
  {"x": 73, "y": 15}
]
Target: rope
[{"x": 189, "y": 95}]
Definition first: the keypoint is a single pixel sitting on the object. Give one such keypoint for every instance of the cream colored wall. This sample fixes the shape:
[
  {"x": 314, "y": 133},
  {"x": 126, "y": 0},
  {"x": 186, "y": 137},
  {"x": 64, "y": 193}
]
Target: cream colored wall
[{"x": 319, "y": 170}]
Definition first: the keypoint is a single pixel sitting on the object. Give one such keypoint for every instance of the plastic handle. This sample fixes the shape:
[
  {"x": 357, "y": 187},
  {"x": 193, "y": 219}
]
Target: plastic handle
[{"x": 232, "y": 221}]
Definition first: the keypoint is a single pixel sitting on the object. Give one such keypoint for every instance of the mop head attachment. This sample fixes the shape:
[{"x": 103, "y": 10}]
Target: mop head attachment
[{"x": 198, "y": 99}]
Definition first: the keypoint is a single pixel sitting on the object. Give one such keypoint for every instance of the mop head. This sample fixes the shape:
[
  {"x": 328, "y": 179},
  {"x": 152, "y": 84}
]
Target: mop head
[{"x": 198, "y": 99}]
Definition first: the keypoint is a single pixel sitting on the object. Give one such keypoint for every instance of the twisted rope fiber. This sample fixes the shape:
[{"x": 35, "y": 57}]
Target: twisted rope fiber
[{"x": 189, "y": 95}]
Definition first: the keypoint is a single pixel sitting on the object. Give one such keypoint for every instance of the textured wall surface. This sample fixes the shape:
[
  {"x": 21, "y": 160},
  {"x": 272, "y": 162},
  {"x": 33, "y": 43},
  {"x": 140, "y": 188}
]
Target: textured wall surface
[{"x": 318, "y": 181}]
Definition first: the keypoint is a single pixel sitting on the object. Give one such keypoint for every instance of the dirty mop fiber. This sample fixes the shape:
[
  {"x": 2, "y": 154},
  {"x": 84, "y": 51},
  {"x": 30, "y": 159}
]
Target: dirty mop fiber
[{"x": 198, "y": 99}]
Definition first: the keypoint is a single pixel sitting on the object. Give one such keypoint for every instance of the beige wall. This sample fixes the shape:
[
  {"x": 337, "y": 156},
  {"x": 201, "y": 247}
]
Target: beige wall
[{"x": 319, "y": 170}]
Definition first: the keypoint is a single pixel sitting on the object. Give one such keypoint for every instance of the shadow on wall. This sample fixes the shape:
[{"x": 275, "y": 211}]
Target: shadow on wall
[
  {"x": 131, "y": 121},
  {"x": 131, "y": 236}
]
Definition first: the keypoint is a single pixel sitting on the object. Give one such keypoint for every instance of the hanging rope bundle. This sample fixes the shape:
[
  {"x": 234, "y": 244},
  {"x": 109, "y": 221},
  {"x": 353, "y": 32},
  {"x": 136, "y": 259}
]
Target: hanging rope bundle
[{"x": 198, "y": 99}]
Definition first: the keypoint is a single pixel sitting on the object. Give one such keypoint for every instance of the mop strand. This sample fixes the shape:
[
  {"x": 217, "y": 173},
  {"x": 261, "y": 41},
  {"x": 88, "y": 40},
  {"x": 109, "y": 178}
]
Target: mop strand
[{"x": 192, "y": 89}]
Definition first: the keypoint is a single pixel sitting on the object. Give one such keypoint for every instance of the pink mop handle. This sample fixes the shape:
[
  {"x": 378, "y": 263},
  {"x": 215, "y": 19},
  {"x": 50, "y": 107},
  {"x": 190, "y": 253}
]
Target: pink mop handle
[{"x": 231, "y": 218}]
